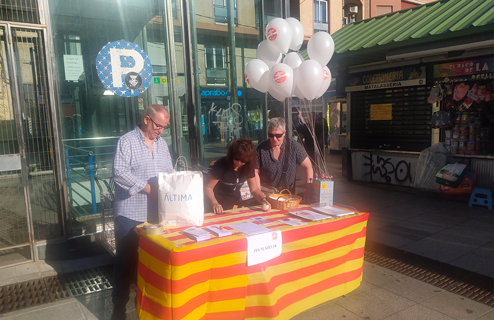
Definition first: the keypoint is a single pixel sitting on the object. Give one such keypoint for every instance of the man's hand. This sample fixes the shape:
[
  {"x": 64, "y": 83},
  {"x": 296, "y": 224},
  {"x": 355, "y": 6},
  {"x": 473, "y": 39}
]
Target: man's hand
[{"x": 151, "y": 191}]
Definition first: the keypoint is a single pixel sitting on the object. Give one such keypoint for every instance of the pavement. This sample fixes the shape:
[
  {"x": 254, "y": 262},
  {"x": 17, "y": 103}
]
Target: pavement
[{"x": 427, "y": 224}]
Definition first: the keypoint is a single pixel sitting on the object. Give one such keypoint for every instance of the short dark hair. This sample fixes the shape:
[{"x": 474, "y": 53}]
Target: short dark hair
[{"x": 243, "y": 150}]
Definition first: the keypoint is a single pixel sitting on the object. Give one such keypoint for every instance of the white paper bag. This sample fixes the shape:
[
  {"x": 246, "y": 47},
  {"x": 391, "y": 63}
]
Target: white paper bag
[{"x": 181, "y": 198}]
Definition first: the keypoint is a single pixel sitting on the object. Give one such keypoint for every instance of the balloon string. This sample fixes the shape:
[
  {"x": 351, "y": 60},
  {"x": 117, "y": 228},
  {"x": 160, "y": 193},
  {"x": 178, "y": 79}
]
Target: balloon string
[{"x": 318, "y": 162}]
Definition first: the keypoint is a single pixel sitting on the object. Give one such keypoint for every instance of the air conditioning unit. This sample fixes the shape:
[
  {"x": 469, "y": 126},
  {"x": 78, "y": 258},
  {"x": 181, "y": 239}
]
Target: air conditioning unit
[{"x": 353, "y": 9}]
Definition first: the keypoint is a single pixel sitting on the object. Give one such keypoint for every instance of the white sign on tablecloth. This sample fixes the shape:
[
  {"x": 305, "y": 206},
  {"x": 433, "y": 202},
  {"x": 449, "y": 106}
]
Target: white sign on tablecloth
[{"x": 263, "y": 247}]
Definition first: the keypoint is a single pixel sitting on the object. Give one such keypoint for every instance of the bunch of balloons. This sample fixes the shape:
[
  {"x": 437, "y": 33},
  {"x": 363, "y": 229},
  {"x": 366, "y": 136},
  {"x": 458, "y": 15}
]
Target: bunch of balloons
[{"x": 293, "y": 77}]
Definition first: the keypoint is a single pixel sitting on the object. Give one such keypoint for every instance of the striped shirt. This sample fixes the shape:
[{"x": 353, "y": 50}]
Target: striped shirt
[{"x": 133, "y": 167}]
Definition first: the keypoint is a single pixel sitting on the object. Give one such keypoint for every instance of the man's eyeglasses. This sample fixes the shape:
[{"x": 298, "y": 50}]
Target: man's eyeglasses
[
  {"x": 277, "y": 135},
  {"x": 159, "y": 126}
]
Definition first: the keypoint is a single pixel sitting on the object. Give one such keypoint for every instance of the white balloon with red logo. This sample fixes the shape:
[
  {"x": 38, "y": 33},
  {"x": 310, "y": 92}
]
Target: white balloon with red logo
[
  {"x": 326, "y": 82},
  {"x": 282, "y": 79},
  {"x": 254, "y": 71},
  {"x": 321, "y": 47},
  {"x": 297, "y": 33},
  {"x": 293, "y": 59},
  {"x": 309, "y": 78},
  {"x": 279, "y": 34},
  {"x": 268, "y": 53}
]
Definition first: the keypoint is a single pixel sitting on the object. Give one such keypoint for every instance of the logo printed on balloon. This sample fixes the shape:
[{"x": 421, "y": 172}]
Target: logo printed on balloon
[
  {"x": 272, "y": 34},
  {"x": 246, "y": 79},
  {"x": 280, "y": 77},
  {"x": 326, "y": 74}
]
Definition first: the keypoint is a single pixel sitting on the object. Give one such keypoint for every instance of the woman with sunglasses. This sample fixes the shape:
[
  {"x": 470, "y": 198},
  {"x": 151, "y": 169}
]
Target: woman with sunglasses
[
  {"x": 229, "y": 173},
  {"x": 277, "y": 160}
]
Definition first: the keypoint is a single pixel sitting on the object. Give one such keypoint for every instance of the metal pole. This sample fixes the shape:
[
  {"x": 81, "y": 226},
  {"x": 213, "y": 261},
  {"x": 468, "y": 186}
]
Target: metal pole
[
  {"x": 55, "y": 119},
  {"x": 171, "y": 70},
  {"x": 264, "y": 100},
  {"x": 193, "y": 98},
  {"x": 231, "y": 50}
]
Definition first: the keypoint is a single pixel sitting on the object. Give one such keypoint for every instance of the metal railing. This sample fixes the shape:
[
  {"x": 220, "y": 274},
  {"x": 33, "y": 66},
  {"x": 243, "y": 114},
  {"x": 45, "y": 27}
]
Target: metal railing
[{"x": 86, "y": 165}]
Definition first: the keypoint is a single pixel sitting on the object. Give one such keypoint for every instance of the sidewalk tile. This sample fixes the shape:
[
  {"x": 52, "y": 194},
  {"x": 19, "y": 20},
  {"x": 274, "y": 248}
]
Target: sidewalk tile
[
  {"x": 418, "y": 312},
  {"x": 63, "y": 309},
  {"x": 375, "y": 303},
  {"x": 456, "y": 306},
  {"x": 326, "y": 310}
]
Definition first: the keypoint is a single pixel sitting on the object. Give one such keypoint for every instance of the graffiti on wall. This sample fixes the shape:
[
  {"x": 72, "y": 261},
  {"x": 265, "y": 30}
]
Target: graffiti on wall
[
  {"x": 227, "y": 120},
  {"x": 389, "y": 170}
]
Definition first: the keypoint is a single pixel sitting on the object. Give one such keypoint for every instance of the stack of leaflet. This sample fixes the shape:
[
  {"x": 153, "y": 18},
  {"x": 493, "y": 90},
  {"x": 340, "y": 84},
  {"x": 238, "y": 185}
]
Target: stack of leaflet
[
  {"x": 218, "y": 231},
  {"x": 332, "y": 211},
  {"x": 309, "y": 215},
  {"x": 197, "y": 234}
]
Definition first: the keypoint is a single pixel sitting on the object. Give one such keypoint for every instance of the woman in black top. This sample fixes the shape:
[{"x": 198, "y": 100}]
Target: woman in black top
[{"x": 229, "y": 173}]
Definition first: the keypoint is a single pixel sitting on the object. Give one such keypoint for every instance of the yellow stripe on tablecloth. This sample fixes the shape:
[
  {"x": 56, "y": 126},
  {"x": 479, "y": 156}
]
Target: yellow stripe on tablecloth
[
  {"x": 180, "y": 272},
  {"x": 269, "y": 272},
  {"x": 312, "y": 241},
  {"x": 314, "y": 300},
  {"x": 177, "y": 300},
  {"x": 293, "y": 286},
  {"x": 143, "y": 315}
]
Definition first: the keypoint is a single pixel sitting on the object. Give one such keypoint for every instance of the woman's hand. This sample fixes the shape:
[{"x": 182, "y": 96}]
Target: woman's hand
[
  {"x": 217, "y": 208},
  {"x": 266, "y": 206}
]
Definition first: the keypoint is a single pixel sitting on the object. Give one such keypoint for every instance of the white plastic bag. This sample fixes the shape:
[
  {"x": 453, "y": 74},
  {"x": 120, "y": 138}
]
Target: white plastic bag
[{"x": 181, "y": 198}]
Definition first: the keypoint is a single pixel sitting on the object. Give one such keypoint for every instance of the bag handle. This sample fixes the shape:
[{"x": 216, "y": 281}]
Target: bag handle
[{"x": 183, "y": 161}]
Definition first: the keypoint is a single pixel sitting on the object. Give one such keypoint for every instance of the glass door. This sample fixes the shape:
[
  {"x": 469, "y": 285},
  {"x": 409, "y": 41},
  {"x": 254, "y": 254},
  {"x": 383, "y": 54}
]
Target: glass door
[{"x": 15, "y": 244}]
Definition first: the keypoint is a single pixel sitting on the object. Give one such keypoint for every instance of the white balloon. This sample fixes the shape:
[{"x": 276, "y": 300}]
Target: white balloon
[
  {"x": 254, "y": 70},
  {"x": 326, "y": 82},
  {"x": 268, "y": 53},
  {"x": 279, "y": 34},
  {"x": 310, "y": 77},
  {"x": 297, "y": 33},
  {"x": 275, "y": 94},
  {"x": 293, "y": 59},
  {"x": 296, "y": 91},
  {"x": 281, "y": 79},
  {"x": 321, "y": 47}
]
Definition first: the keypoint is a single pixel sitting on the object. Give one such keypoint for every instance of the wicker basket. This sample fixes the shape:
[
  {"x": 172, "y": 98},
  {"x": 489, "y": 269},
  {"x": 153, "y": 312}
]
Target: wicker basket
[{"x": 283, "y": 200}]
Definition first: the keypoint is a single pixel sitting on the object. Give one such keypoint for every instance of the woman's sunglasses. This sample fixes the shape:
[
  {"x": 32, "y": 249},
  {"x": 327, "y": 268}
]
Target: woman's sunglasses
[{"x": 277, "y": 135}]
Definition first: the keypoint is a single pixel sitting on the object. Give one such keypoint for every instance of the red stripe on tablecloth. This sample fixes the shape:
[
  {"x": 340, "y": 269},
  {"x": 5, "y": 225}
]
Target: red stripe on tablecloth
[
  {"x": 188, "y": 256},
  {"x": 310, "y": 251},
  {"x": 287, "y": 300},
  {"x": 163, "y": 312},
  {"x": 178, "y": 286},
  {"x": 277, "y": 280}
]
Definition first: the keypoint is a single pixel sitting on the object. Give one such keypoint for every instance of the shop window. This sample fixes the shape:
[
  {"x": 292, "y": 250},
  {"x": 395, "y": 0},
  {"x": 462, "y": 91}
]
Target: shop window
[
  {"x": 20, "y": 11},
  {"x": 343, "y": 118},
  {"x": 221, "y": 12},
  {"x": 216, "y": 66},
  {"x": 408, "y": 128}
]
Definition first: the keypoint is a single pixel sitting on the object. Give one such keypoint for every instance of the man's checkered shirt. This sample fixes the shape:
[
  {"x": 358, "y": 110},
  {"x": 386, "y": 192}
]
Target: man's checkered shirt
[{"x": 133, "y": 167}]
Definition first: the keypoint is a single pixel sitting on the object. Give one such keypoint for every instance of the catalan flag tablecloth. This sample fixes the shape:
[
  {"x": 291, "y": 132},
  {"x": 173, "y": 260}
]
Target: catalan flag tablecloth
[{"x": 179, "y": 278}]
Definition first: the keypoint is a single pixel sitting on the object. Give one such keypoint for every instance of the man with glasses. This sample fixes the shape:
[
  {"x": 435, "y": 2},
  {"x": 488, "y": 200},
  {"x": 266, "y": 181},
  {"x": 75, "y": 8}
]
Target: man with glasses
[
  {"x": 140, "y": 155},
  {"x": 277, "y": 159}
]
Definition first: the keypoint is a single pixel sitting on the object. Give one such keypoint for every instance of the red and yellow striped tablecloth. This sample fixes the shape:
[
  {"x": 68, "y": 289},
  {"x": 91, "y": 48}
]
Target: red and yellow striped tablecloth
[{"x": 179, "y": 278}]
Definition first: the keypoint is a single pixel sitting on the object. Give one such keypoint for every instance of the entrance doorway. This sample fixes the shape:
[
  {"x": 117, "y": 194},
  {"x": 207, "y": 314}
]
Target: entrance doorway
[{"x": 29, "y": 200}]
